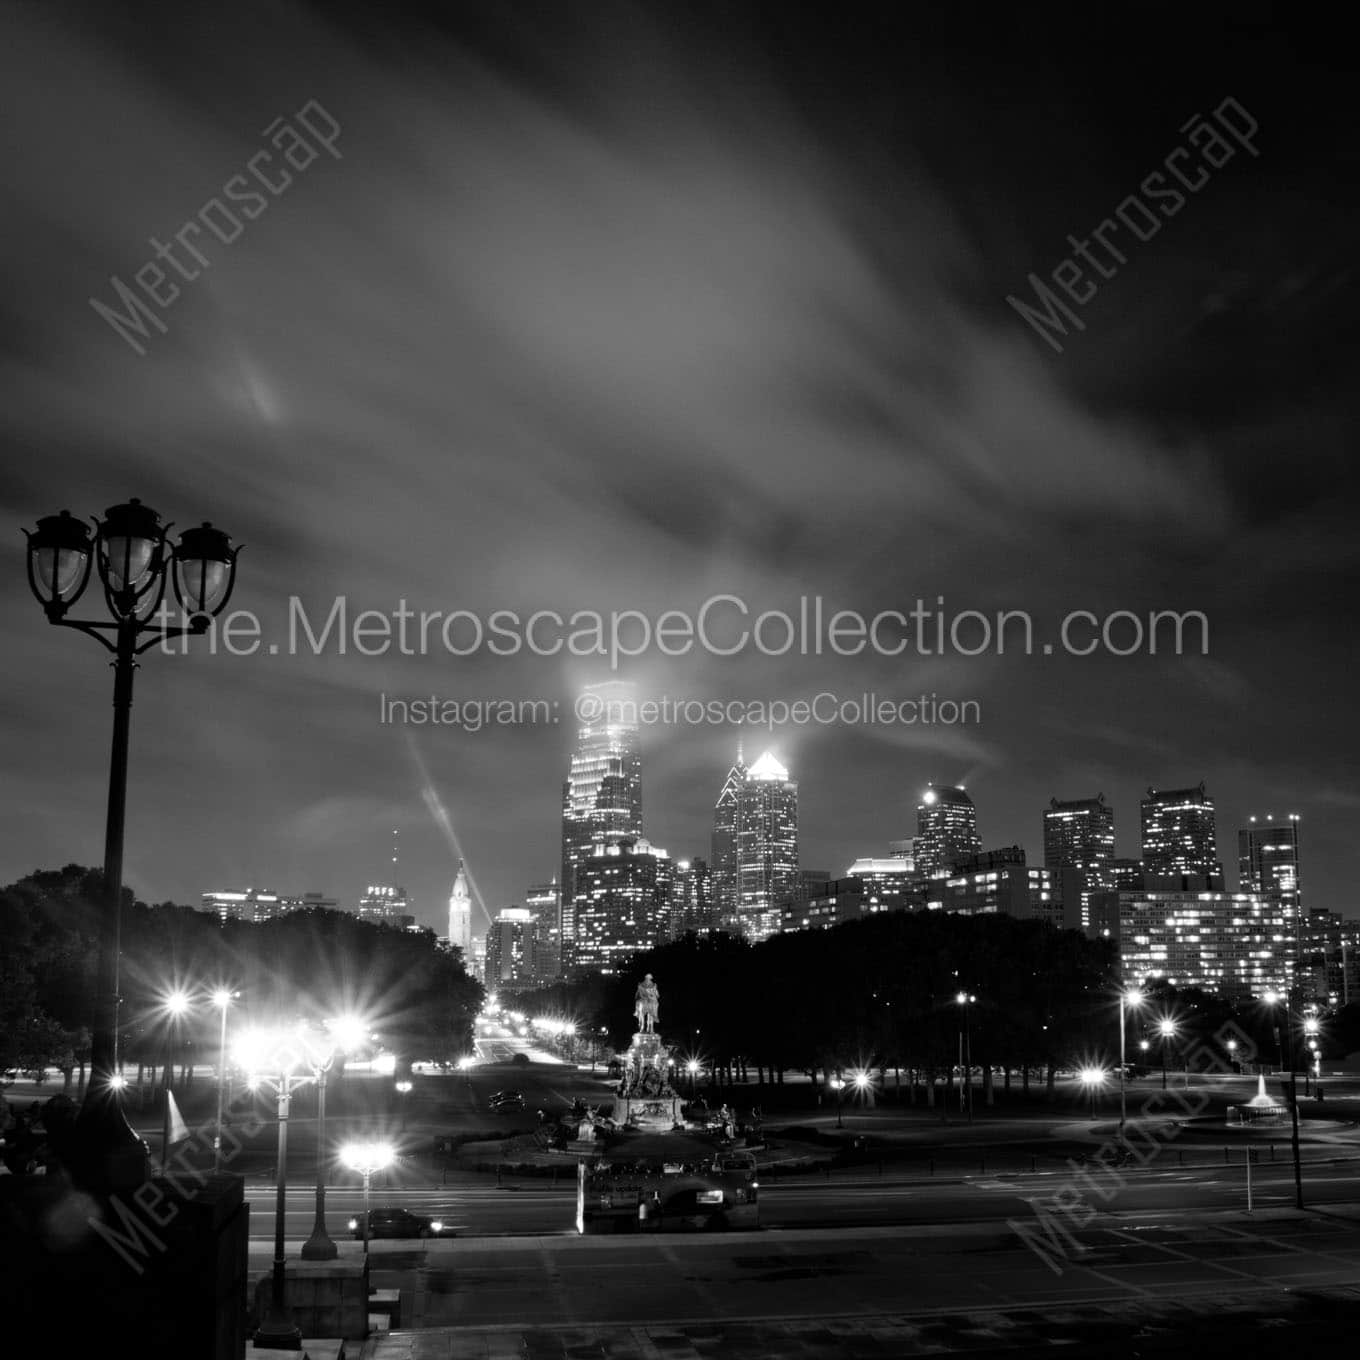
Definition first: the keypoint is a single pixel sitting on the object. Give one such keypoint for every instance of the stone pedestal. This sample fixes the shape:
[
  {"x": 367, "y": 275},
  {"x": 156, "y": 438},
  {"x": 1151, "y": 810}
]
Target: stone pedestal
[
  {"x": 325, "y": 1298},
  {"x": 647, "y": 1099}
]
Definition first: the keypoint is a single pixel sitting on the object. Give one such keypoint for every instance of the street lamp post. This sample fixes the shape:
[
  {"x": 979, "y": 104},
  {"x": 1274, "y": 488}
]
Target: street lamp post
[
  {"x": 964, "y": 999},
  {"x": 1167, "y": 1030},
  {"x": 692, "y": 1067},
  {"x": 838, "y": 1085},
  {"x": 321, "y": 1052},
  {"x": 1128, "y": 996},
  {"x": 403, "y": 1089},
  {"x": 366, "y": 1158},
  {"x": 1273, "y": 999},
  {"x": 1092, "y": 1078},
  {"x": 133, "y": 559},
  {"x": 174, "y": 1006},
  {"x": 1312, "y": 1073},
  {"x": 222, "y": 999},
  {"x": 274, "y": 1056}
]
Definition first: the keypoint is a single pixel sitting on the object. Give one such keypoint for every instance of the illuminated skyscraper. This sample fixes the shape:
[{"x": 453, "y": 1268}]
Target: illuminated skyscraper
[
  {"x": 692, "y": 906},
  {"x": 460, "y": 915},
  {"x": 946, "y": 829},
  {"x": 723, "y": 856},
  {"x": 1179, "y": 834},
  {"x": 602, "y": 795},
  {"x": 1078, "y": 847},
  {"x": 766, "y": 847},
  {"x": 545, "y": 902},
  {"x": 511, "y": 949},
  {"x": 623, "y": 899},
  {"x": 1268, "y": 855}
]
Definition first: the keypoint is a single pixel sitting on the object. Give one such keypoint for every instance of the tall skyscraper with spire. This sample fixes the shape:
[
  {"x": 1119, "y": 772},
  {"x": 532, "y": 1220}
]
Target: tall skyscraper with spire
[
  {"x": 723, "y": 847},
  {"x": 460, "y": 915},
  {"x": 766, "y": 847},
  {"x": 602, "y": 794}
]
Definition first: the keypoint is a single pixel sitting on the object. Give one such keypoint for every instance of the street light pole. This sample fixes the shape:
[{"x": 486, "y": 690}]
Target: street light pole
[
  {"x": 134, "y": 561},
  {"x": 319, "y": 1247},
  {"x": 1129, "y": 996},
  {"x": 279, "y": 1330},
  {"x": 223, "y": 998}
]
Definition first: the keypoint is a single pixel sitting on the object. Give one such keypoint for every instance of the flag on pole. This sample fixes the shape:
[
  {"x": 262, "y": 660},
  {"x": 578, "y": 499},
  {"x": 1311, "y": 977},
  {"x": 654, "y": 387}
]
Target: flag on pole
[{"x": 179, "y": 1130}]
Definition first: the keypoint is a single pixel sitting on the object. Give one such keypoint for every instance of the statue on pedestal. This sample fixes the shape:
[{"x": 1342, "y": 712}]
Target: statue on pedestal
[{"x": 647, "y": 1005}]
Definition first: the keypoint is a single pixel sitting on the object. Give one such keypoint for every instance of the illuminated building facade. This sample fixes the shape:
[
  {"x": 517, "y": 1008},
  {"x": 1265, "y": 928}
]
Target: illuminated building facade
[
  {"x": 767, "y": 847},
  {"x": 1189, "y": 931},
  {"x": 1078, "y": 845},
  {"x": 251, "y": 904},
  {"x": 544, "y": 900},
  {"x": 1179, "y": 835},
  {"x": 946, "y": 829},
  {"x": 511, "y": 949},
  {"x": 891, "y": 883},
  {"x": 460, "y": 914},
  {"x": 386, "y": 903},
  {"x": 602, "y": 795},
  {"x": 623, "y": 899},
  {"x": 693, "y": 908},
  {"x": 997, "y": 882},
  {"x": 723, "y": 846}
]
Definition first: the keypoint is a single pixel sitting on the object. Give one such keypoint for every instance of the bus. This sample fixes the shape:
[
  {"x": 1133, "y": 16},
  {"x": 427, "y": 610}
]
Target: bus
[{"x": 714, "y": 1194}]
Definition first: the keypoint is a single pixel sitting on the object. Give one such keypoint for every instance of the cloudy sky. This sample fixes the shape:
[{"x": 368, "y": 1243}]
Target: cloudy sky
[{"x": 616, "y": 308}]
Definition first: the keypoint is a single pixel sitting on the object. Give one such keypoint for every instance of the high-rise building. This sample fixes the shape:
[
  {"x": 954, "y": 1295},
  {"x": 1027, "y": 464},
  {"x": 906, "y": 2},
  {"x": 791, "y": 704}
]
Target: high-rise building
[
  {"x": 385, "y": 902},
  {"x": 1179, "y": 835},
  {"x": 602, "y": 794},
  {"x": 723, "y": 847},
  {"x": 511, "y": 949},
  {"x": 767, "y": 847},
  {"x": 1189, "y": 931},
  {"x": 1078, "y": 846},
  {"x": 693, "y": 909},
  {"x": 623, "y": 903},
  {"x": 544, "y": 900},
  {"x": 891, "y": 883},
  {"x": 460, "y": 914},
  {"x": 479, "y": 958},
  {"x": 946, "y": 829},
  {"x": 1268, "y": 855},
  {"x": 1124, "y": 873},
  {"x": 252, "y": 904}
]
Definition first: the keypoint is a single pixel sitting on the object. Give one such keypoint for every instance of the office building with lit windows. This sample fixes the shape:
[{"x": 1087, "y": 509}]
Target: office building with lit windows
[
  {"x": 386, "y": 903},
  {"x": 693, "y": 908},
  {"x": 946, "y": 829},
  {"x": 252, "y": 904},
  {"x": 602, "y": 794},
  {"x": 1078, "y": 845},
  {"x": 544, "y": 902},
  {"x": 623, "y": 902},
  {"x": 1188, "y": 930},
  {"x": 767, "y": 847},
  {"x": 723, "y": 846},
  {"x": 996, "y": 882},
  {"x": 1179, "y": 834},
  {"x": 512, "y": 944}
]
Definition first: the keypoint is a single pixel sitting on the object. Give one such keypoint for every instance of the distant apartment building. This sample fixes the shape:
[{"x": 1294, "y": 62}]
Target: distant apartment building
[
  {"x": 996, "y": 882},
  {"x": 511, "y": 949},
  {"x": 1188, "y": 930},
  {"x": 253, "y": 904}
]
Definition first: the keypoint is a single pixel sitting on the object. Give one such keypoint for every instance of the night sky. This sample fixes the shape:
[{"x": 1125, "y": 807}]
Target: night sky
[{"x": 607, "y": 308}]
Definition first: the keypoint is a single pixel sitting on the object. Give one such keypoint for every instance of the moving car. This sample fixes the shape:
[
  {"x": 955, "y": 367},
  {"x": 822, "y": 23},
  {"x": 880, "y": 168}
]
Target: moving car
[
  {"x": 399, "y": 1223},
  {"x": 506, "y": 1100}
]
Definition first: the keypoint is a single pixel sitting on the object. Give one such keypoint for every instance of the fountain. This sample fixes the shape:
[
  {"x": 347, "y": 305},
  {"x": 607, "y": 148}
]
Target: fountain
[{"x": 1260, "y": 1109}]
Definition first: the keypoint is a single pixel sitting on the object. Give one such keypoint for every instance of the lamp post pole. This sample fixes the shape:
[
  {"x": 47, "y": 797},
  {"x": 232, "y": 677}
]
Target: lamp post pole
[
  {"x": 319, "y": 1247},
  {"x": 134, "y": 561},
  {"x": 223, "y": 998},
  {"x": 278, "y": 1329}
]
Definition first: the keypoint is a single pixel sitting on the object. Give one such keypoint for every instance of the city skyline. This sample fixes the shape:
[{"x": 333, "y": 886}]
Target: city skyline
[{"x": 607, "y": 349}]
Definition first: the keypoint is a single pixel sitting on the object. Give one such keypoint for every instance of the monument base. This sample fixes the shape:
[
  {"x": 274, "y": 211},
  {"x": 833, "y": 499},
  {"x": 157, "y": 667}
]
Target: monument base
[{"x": 324, "y": 1298}]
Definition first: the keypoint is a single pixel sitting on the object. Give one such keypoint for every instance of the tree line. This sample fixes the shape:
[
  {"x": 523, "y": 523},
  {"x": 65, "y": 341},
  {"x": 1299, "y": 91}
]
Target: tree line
[{"x": 412, "y": 990}]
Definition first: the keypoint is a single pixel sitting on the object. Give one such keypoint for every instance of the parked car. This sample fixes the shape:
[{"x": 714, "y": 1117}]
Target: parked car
[{"x": 389, "y": 1222}]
